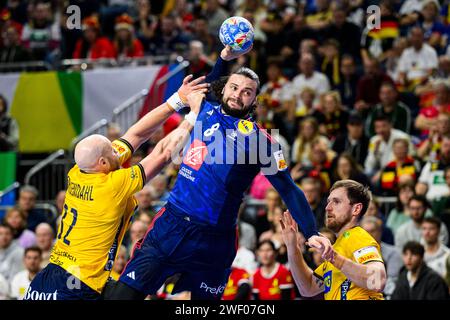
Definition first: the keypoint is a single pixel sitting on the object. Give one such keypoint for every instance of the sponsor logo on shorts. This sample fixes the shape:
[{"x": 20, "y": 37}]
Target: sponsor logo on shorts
[
  {"x": 212, "y": 290},
  {"x": 36, "y": 295}
]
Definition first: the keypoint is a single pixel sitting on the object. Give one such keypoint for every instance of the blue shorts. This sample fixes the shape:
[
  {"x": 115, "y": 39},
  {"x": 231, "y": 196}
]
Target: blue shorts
[
  {"x": 55, "y": 283},
  {"x": 174, "y": 244}
]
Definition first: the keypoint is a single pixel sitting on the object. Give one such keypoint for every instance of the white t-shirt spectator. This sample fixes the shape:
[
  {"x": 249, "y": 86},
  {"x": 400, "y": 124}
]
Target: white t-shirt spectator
[
  {"x": 433, "y": 177},
  {"x": 245, "y": 259},
  {"x": 11, "y": 260},
  {"x": 416, "y": 63},
  {"x": 410, "y": 6},
  {"x": 318, "y": 82},
  {"x": 438, "y": 260},
  {"x": 20, "y": 284}
]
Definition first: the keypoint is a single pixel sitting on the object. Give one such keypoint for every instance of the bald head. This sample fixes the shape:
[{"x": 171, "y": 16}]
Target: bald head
[{"x": 90, "y": 150}]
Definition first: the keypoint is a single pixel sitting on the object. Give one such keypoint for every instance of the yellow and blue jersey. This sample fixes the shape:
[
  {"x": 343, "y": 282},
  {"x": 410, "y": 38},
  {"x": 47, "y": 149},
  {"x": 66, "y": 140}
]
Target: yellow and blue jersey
[
  {"x": 97, "y": 212},
  {"x": 359, "y": 246}
]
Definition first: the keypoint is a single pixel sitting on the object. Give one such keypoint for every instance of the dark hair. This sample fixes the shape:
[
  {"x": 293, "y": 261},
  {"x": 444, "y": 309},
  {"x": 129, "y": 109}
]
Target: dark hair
[
  {"x": 408, "y": 184},
  {"x": 7, "y": 226},
  {"x": 414, "y": 247},
  {"x": 355, "y": 166},
  {"x": 269, "y": 242},
  {"x": 34, "y": 248},
  {"x": 389, "y": 84},
  {"x": 382, "y": 117},
  {"x": 420, "y": 198},
  {"x": 433, "y": 220},
  {"x": 356, "y": 193}
]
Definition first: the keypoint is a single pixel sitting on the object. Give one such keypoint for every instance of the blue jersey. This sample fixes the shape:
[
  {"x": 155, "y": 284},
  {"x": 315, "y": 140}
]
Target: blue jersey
[{"x": 217, "y": 167}]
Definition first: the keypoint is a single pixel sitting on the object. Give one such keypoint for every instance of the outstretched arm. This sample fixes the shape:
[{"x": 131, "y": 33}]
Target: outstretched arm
[
  {"x": 171, "y": 145},
  {"x": 142, "y": 130},
  {"x": 307, "y": 282},
  {"x": 299, "y": 207}
]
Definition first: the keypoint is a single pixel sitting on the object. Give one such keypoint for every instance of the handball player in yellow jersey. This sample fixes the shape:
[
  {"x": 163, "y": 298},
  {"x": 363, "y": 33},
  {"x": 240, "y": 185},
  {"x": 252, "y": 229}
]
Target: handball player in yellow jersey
[
  {"x": 354, "y": 270},
  {"x": 99, "y": 201}
]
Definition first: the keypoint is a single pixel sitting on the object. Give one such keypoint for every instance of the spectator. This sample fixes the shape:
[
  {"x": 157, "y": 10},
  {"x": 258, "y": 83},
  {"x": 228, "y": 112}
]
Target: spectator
[
  {"x": 264, "y": 216},
  {"x": 397, "y": 112},
  {"x": 247, "y": 235},
  {"x": 17, "y": 220},
  {"x": 137, "y": 232},
  {"x": 343, "y": 31},
  {"x": 273, "y": 28},
  {"x": 21, "y": 281},
  {"x": 311, "y": 187},
  {"x": 411, "y": 230},
  {"x": 308, "y": 132},
  {"x": 417, "y": 62},
  {"x": 9, "y": 130},
  {"x": 168, "y": 38},
  {"x": 125, "y": 43},
  {"x": 381, "y": 146},
  {"x": 145, "y": 22},
  {"x": 430, "y": 148},
  {"x": 12, "y": 50},
  {"x": 160, "y": 192},
  {"x": 417, "y": 281},
  {"x": 402, "y": 167},
  {"x": 435, "y": 32},
  {"x": 308, "y": 98},
  {"x": 92, "y": 45},
  {"x": 431, "y": 180},
  {"x": 144, "y": 198},
  {"x": 200, "y": 65},
  {"x": 436, "y": 253},
  {"x": 391, "y": 255},
  {"x": 374, "y": 211},
  {"x": 200, "y": 33},
  {"x": 308, "y": 77},
  {"x": 367, "y": 92},
  {"x": 41, "y": 36},
  {"x": 354, "y": 141},
  {"x": 245, "y": 259},
  {"x": 11, "y": 253},
  {"x": 238, "y": 285},
  {"x": 274, "y": 233},
  {"x": 348, "y": 81},
  {"x": 347, "y": 168},
  {"x": 321, "y": 17},
  {"x": 216, "y": 15},
  {"x": 442, "y": 205},
  {"x": 272, "y": 280},
  {"x": 45, "y": 237},
  {"x": 428, "y": 116},
  {"x": 378, "y": 42},
  {"x": 59, "y": 200},
  {"x": 27, "y": 202},
  {"x": 119, "y": 263},
  {"x": 399, "y": 215},
  {"x": 333, "y": 117}
]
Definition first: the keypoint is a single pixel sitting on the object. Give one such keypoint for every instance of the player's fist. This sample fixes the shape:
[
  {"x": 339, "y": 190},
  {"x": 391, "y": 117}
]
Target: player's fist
[
  {"x": 323, "y": 246},
  {"x": 190, "y": 85},
  {"x": 195, "y": 99}
]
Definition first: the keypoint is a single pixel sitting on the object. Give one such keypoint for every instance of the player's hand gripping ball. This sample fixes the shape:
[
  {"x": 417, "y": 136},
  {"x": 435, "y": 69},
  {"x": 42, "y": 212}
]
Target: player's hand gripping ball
[{"x": 238, "y": 33}]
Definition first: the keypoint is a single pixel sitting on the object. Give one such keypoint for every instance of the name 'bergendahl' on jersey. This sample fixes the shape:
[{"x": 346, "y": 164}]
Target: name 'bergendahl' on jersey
[{"x": 82, "y": 192}]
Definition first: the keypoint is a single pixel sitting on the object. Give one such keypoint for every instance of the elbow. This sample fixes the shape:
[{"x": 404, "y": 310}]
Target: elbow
[{"x": 377, "y": 280}]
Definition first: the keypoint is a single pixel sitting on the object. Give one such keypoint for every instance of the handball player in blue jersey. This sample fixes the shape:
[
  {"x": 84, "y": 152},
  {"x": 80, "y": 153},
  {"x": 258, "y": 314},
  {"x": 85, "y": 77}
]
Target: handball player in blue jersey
[{"x": 194, "y": 235}]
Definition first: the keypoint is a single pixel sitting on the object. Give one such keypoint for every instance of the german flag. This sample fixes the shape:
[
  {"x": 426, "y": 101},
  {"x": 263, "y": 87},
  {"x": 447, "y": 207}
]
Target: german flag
[{"x": 388, "y": 29}]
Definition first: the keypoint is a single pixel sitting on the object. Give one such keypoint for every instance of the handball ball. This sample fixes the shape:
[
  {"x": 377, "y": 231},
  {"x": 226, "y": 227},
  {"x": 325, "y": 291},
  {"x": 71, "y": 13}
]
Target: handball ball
[{"x": 237, "y": 32}]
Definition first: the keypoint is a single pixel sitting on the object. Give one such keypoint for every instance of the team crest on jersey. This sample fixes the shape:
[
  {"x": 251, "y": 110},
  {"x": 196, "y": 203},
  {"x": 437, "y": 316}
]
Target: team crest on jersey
[
  {"x": 196, "y": 154},
  {"x": 245, "y": 127}
]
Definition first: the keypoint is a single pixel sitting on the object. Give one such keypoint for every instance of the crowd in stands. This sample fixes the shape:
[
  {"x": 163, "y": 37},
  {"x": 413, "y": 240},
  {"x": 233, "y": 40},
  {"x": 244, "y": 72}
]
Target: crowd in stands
[{"x": 349, "y": 100}]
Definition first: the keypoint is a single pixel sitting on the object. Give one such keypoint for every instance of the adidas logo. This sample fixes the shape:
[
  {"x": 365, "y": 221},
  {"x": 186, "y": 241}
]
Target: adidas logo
[{"x": 131, "y": 275}]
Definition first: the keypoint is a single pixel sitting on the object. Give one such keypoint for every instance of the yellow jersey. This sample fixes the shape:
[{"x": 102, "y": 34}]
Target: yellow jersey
[
  {"x": 357, "y": 245},
  {"x": 97, "y": 212}
]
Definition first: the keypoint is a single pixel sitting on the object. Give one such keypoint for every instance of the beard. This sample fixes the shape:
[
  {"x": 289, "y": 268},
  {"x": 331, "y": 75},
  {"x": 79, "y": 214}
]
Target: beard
[
  {"x": 336, "y": 225},
  {"x": 237, "y": 113}
]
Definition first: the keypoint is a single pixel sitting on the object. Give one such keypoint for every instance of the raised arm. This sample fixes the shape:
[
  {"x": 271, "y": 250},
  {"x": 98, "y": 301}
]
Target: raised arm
[
  {"x": 171, "y": 145},
  {"x": 142, "y": 130},
  {"x": 307, "y": 282}
]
